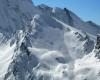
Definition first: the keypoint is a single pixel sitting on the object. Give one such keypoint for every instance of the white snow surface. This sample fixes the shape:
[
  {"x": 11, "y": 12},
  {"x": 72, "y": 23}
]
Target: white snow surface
[
  {"x": 44, "y": 43},
  {"x": 6, "y": 54}
]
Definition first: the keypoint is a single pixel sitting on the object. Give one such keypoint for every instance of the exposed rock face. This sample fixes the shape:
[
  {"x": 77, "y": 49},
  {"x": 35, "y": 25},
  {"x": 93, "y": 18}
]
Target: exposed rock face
[
  {"x": 98, "y": 42},
  {"x": 69, "y": 17},
  {"x": 97, "y": 47}
]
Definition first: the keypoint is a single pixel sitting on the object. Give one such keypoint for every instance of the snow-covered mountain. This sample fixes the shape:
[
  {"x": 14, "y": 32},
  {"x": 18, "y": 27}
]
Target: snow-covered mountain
[{"x": 44, "y": 43}]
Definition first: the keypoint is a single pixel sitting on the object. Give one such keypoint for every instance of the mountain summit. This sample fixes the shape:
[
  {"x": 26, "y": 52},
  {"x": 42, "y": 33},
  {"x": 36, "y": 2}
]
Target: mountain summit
[{"x": 45, "y": 43}]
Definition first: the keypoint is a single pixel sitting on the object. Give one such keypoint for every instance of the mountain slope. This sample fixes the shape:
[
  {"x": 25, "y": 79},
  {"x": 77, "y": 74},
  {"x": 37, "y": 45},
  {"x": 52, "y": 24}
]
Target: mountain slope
[{"x": 44, "y": 43}]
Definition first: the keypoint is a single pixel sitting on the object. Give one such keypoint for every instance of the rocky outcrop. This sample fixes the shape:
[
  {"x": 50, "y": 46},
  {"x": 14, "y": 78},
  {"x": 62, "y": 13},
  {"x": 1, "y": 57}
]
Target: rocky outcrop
[
  {"x": 98, "y": 42},
  {"x": 97, "y": 47},
  {"x": 70, "y": 19}
]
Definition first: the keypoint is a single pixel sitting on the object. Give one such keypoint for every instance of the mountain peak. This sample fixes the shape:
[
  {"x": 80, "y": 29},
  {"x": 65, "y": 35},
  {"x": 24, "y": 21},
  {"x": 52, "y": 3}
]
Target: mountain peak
[{"x": 43, "y": 6}]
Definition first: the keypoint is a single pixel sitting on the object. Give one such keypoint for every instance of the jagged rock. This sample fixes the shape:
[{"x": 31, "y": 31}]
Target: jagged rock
[
  {"x": 69, "y": 17},
  {"x": 97, "y": 47},
  {"x": 98, "y": 42}
]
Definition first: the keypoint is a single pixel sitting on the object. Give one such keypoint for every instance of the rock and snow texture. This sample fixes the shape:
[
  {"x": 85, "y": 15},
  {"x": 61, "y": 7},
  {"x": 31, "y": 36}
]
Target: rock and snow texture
[{"x": 44, "y": 43}]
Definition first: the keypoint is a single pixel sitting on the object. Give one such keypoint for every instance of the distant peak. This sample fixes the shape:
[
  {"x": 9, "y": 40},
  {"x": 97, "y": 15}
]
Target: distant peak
[
  {"x": 65, "y": 9},
  {"x": 92, "y": 23},
  {"x": 44, "y": 6}
]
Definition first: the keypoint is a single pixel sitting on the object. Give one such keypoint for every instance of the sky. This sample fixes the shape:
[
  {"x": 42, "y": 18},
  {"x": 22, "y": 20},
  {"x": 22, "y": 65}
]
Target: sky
[{"x": 85, "y": 9}]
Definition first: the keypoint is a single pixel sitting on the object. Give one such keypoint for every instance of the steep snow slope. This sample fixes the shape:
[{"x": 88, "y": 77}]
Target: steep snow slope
[
  {"x": 87, "y": 68},
  {"x": 5, "y": 57},
  {"x": 44, "y": 43},
  {"x": 92, "y": 28},
  {"x": 71, "y": 19},
  {"x": 15, "y": 15}
]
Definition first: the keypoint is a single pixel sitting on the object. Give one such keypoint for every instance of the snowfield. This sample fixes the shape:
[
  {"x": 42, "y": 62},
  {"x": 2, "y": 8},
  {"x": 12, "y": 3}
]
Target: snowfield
[{"x": 44, "y": 43}]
